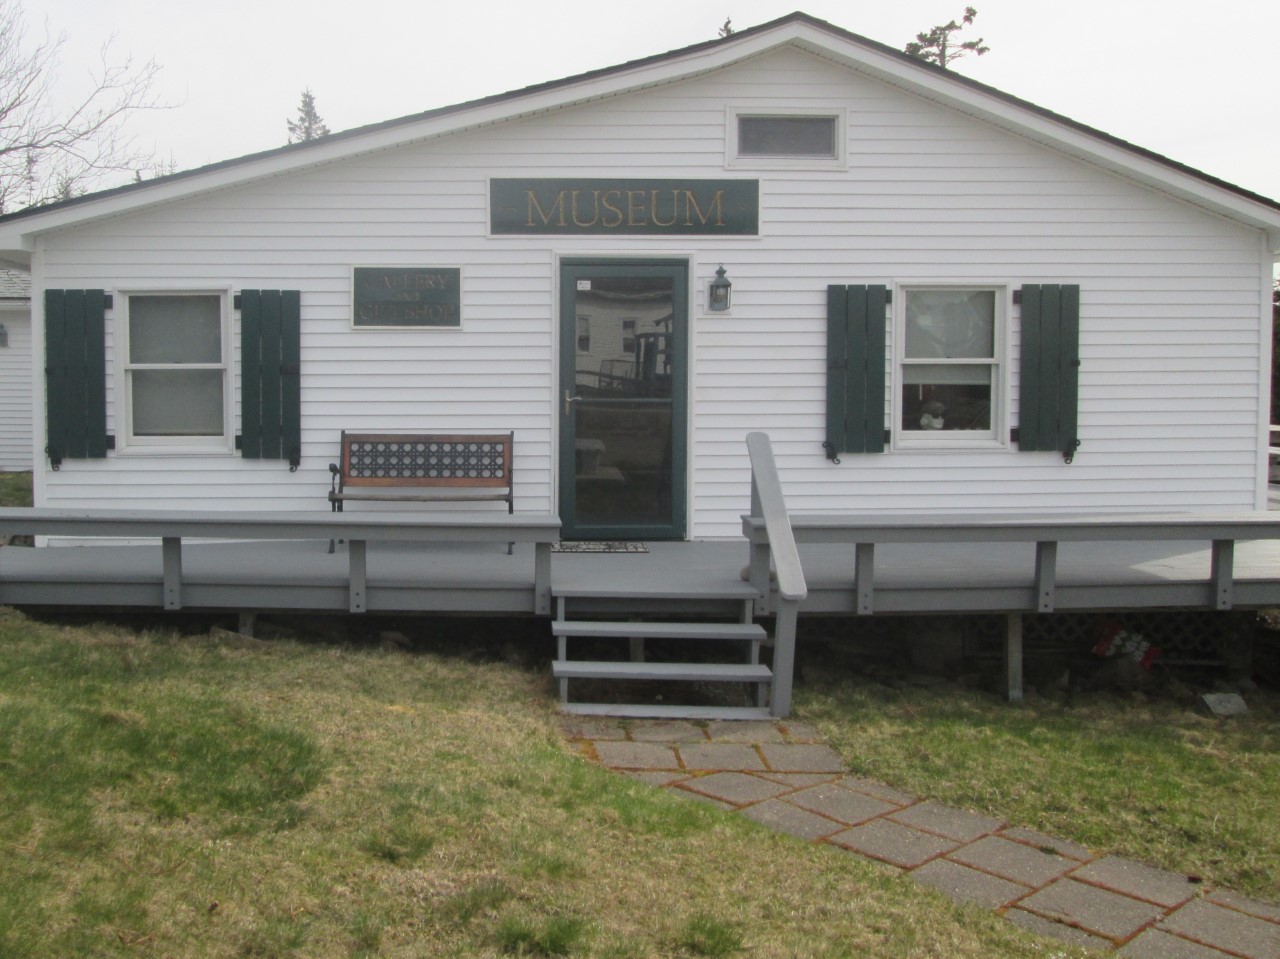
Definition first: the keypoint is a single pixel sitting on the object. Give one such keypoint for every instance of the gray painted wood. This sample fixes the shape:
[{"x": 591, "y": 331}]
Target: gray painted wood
[
  {"x": 750, "y": 632},
  {"x": 1013, "y": 658},
  {"x": 769, "y": 505},
  {"x": 667, "y": 712},
  {"x": 693, "y": 672}
]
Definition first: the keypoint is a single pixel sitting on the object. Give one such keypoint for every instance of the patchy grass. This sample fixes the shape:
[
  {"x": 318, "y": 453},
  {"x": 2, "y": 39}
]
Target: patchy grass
[
  {"x": 15, "y": 489},
  {"x": 1147, "y": 777},
  {"x": 170, "y": 796}
]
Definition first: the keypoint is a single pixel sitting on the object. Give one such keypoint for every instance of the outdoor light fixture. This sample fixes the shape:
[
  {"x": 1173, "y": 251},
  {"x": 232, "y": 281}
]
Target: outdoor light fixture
[
  {"x": 4, "y": 336},
  {"x": 720, "y": 291}
]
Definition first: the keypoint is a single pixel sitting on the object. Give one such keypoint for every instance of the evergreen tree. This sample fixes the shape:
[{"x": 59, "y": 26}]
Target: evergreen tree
[
  {"x": 727, "y": 30},
  {"x": 935, "y": 46},
  {"x": 308, "y": 126}
]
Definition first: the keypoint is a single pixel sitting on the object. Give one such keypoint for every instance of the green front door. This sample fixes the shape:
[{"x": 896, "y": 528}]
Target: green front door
[{"x": 623, "y": 392}]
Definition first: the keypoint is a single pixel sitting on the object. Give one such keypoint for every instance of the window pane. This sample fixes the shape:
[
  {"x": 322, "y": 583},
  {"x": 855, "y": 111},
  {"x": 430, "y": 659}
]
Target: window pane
[
  {"x": 177, "y": 402},
  {"x": 175, "y": 329},
  {"x": 946, "y": 398},
  {"x": 787, "y": 136},
  {"x": 959, "y": 324}
]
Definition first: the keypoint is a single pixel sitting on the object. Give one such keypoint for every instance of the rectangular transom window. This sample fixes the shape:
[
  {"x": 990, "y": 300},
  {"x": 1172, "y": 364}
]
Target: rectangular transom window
[
  {"x": 949, "y": 369},
  {"x": 787, "y": 136},
  {"x": 175, "y": 369}
]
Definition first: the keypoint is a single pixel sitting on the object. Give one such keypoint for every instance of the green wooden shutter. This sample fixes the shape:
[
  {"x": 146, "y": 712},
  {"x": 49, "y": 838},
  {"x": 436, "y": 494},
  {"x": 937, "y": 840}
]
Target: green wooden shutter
[
  {"x": 855, "y": 369},
  {"x": 75, "y": 375},
  {"x": 1049, "y": 391},
  {"x": 270, "y": 392}
]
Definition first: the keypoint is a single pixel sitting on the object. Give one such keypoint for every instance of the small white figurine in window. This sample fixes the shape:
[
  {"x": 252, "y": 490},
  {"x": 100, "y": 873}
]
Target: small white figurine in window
[{"x": 931, "y": 418}]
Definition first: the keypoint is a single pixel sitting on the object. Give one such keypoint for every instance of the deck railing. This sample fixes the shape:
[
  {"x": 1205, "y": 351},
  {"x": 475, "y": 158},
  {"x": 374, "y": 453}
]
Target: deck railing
[
  {"x": 356, "y": 529},
  {"x": 775, "y": 547},
  {"x": 866, "y": 531}
]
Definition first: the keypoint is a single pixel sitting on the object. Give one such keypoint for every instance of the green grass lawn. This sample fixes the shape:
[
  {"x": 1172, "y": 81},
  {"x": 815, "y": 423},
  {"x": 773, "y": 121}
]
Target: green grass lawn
[
  {"x": 166, "y": 795},
  {"x": 1148, "y": 776},
  {"x": 15, "y": 489}
]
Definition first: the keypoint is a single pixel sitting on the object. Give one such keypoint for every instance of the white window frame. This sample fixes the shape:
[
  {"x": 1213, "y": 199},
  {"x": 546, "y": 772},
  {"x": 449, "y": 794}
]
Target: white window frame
[
  {"x": 997, "y": 437},
  {"x": 127, "y": 442},
  {"x": 785, "y": 162}
]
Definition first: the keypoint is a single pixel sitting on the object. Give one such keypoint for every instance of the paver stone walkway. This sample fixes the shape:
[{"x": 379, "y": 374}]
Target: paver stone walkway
[{"x": 783, "y": 776}]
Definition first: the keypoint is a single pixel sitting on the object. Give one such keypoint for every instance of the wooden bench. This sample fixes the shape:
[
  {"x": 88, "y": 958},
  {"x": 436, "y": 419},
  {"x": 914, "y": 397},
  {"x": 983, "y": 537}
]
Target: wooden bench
[{"x": 424, "y": 468}]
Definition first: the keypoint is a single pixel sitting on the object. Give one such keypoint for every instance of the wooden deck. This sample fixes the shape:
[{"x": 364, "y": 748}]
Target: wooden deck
[{"x": 699, "y": 577}]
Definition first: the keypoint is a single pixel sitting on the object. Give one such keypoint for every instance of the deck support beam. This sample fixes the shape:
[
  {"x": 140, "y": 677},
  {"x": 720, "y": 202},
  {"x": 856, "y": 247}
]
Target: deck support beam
[
  {"x": 784, "y": 657},
  {"x": 542, "y": 579},
  {"x": 358, "y": 576},
  {"x": 171, "y": 549},
  {"x": 1013, "y": 658},
  {"x": 1223, "y": 573},
  {"x": 864, "y": 576},
  {"x": 1046, "y": 575}
]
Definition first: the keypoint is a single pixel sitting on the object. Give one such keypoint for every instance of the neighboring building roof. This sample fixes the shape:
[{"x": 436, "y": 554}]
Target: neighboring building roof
[{"x": 855, "y": 52}]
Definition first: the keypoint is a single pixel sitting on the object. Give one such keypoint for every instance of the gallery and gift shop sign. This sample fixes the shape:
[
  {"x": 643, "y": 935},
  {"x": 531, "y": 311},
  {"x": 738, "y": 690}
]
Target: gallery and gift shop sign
[
  {"x": 407, "y": 296},
  {"x": 612, "y": 207}
]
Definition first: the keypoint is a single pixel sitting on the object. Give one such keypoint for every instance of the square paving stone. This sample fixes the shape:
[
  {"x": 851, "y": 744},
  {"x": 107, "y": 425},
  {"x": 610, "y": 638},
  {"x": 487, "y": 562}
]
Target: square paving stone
[
  {"x": 744, "y": 731},
  {"x": 1012, "y": 860},
  {"x": 802, "y": 733},
  {"x": 1154, "y": 944},
  {"x": 637, "y": 756},
  {"x": 667, "y": 731},
  {"x": 654, "y": 777},
  {"x": 968, "y": 885},
  {"x": 844, "y": 805},
  {"x": 1225, "y": 929},
  {"x": 799, "y": 780},
  {"x": 958, "y": 824},
  {"x": 896, "y": 844},
  {"x": 790, "y": 819},
  {"x": 729, "y": 756},
  {"x": 1141, "y": 882},
  {"x": 1056, "y": 930},
  {"x": 873, "y": 787},
  {"x": 737, "y": 788},
  {"x": 792, "y": 758},
  {"x": 1254, "y": 907},
  {"x": 1095, "y": 910},
  {"x": 1044, "y": 843}
]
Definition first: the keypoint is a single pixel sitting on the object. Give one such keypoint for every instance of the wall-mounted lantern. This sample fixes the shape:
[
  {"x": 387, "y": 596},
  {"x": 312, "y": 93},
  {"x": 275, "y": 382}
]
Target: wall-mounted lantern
[{"x": 721, "y": 290}]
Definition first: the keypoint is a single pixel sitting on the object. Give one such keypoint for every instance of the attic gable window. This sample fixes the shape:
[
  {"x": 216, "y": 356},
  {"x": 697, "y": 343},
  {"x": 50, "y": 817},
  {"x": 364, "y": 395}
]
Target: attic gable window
[{"x": 795, "y": 139}]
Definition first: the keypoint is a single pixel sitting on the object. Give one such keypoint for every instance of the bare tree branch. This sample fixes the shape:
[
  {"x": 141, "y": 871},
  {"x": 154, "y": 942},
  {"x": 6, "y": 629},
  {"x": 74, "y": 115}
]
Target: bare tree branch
[{"x": 49, "y": 152}]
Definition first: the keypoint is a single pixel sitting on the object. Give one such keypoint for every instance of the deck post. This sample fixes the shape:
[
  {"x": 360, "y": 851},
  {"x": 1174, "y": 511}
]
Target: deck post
[
  {"x": 759, "y": 558},
  {"x": 171, "y": 547},
  {"x": 1046, "y": 575},
  {"x": 248, "y": 620},
  {"x": 542, "y": 579},
  {"x": 1013, "y": 658},
  {"x": 357, "y": 576},
  {"x": 1224, "y": 555},
  {"x": 864, "y": 576},
  {"x": 784, "y": 657}
]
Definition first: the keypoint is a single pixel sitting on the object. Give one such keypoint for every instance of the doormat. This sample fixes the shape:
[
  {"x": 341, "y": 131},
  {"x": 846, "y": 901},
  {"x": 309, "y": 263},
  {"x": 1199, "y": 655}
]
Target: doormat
[{"x": 608, "y": 546}]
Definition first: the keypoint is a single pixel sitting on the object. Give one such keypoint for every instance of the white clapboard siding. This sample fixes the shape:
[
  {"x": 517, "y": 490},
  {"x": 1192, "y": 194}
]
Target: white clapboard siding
[
  {"x": 15, "y": 391},
  {"x": 1171, "y": 378}
]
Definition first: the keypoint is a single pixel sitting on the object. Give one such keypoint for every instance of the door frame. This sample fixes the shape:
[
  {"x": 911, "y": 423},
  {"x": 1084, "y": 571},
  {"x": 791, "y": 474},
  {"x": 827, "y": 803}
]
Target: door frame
[{"x": 568, "y": 270}]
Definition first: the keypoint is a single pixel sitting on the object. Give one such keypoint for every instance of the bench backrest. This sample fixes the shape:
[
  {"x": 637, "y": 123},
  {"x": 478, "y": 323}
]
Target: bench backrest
[{"x": 427, "y": 459}]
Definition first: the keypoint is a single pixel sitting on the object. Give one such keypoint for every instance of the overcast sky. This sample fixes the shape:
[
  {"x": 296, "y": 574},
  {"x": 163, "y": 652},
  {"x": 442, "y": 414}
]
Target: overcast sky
[{"x": 1195, "y": 82}]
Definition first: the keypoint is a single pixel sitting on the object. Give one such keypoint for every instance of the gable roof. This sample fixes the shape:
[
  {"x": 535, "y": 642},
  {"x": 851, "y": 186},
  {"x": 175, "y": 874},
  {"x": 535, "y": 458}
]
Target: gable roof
[{"x": 858, "y": 53}]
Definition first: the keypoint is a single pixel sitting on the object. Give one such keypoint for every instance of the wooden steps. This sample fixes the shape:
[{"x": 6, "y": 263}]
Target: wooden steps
[{"x": 741, "y": 640}]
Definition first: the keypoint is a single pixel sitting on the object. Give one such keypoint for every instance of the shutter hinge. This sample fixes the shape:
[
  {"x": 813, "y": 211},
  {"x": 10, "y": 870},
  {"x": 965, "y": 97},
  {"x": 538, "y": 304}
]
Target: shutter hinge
[
  {"x": 1013, "y": 435},
  {"x": 295, "y": 460},
  {"x": 235, "y": 302},
  {"x": 888, "y": 296},
  {"x": 1017, "y": 297},
  {"x": 1069, "y": 453},
  {"x": 832, "y": 454},
  {"x": 239, "y": 444},
  {"x": 111, "y": 441},
  {"x": 55, "y": 459},
  {"x": 888, "y": 437},
  {"x": 109, "y": 302}
]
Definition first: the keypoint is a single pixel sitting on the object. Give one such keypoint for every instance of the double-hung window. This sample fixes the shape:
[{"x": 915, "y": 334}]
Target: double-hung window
[
  {"x": 176, "y": 370},
  {"x": 949, "y": 370}
]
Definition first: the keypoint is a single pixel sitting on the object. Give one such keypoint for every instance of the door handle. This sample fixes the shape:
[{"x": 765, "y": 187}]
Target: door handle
[{"x": 569, "y": 401}]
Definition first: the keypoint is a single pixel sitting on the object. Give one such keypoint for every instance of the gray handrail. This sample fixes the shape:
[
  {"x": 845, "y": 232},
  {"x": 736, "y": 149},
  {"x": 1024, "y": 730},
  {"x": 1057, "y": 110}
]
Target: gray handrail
[{"x": 769, "y": 507}]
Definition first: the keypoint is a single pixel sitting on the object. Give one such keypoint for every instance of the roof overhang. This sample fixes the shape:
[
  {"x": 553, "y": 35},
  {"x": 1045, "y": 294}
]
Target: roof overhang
[{"x": 19, "y": 231}]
